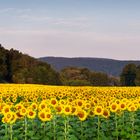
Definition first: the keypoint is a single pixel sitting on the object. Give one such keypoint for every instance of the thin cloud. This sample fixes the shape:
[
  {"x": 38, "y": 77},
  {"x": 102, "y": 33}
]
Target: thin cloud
[
  {"x": 76, "y": 21},
  {"x": 6, "y": 10},
  {"x": 33, "y": 18},
  {"x": 15, "y": 10},
  {"x": 43, "y": 42},
  {"x": 83, "y": 35}
]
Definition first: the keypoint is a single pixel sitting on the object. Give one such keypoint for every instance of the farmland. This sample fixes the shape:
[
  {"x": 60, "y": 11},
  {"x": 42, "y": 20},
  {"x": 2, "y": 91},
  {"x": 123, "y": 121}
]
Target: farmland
[{"x": 38, "y": 112}]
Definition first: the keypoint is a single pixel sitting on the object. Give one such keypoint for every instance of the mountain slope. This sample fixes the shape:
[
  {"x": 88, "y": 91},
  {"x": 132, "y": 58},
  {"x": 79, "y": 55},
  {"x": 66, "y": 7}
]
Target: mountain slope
[{"x": 109, "y": 66}]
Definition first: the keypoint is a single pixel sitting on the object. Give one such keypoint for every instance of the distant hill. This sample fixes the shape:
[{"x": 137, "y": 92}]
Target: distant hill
[{"x": 109, "y": 66}]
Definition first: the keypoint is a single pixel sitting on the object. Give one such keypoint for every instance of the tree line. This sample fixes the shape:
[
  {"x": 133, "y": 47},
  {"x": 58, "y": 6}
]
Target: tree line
[
  {"x": 16, "y": 67},
  {"x": 130, "y": 75},
  {"x": 74, "y": 76}
]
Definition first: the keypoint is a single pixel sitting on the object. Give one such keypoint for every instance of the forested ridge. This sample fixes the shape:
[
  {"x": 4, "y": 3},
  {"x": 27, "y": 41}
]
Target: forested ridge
[
  {"x": 16, "y": 67},
  {"x": 108, "y": 66}
]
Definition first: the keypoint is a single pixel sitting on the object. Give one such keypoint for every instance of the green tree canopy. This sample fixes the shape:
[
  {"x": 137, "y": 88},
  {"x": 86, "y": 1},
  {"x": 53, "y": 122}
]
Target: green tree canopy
[{"x": 128, "y": 75}]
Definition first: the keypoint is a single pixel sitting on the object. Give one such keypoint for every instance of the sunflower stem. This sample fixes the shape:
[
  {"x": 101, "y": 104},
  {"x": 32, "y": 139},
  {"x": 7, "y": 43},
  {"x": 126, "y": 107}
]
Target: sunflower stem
[
  {"x": 123, "y": 119},
  {"x": 44, "y": 128},
  {"x": 26, "y": 125},
  {"x": 33, "y": 125},
  {"x": 6, "y": 130},
  {"x": 81, "y": 130},
  {"x": 116, "y": 125},
  {"x": 133, "y": 121},
  {"x": 11, "y": 132},
  {"x": 108, "y": 126},
  {"x": 98, "y": 127},
  {"x": 54, "y": 128},
  {"x": 65, "y": 129}
]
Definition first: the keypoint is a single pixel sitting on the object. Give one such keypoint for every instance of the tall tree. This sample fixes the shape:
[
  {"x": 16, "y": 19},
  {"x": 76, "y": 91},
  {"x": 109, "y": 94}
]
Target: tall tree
[
  {"x": 99, "y": 79},
  {"x": 137, "y": 80},
  {"x": 128, "y": 75}
]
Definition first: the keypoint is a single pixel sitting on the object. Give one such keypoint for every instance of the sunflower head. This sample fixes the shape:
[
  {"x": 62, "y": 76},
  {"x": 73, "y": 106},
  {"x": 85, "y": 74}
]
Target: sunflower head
[
  {"x": 23, "y": 111},
  {"x": 106, "y": 113},
  {"x": 34, "y": 106},
  {"x": 98, "y": 110},
  {"x": 67, "y": 110},
  {"x": 82, "y": 114},
  {"x": 91, "y": 113},
  {"x": 122, "y": 106},
  {"x": 53, "y": 102},
  {"x": 132, "y": 108},
  {"x": 31, "y": 114},
  {"x": 43, "y": 105},
  {"x": 59, "y": 109},
  {"x": 114, "y": 107},
  {"x": 48, "y": 116},
  {"x": 42, "y": 116},
  {"x": 5, "y": 109}
]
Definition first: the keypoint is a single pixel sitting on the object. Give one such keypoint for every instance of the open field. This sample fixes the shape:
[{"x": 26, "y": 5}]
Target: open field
[{"x": 37, "y": 112}]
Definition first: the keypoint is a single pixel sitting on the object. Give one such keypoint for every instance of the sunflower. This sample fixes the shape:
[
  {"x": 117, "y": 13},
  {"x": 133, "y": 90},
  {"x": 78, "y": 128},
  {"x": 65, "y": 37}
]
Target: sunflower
[
  {"x": 1, "y": 106},
  {"x": 14, "y": 118},
  {"x": 42, "y": 116},
  {"x": 122, "y": 106},
  {"x": 67, "y": 110},
  {"x": 59, "y": 109},
  {"x": 14, "y": 99},
  {"x": 5, "y": 109},
  {"x": 53, "y": 102},
  {"x": 62, "y": 102},
  {"x": 69, "y": 101},
  {"x": 91, "y": 113},
  {"x": 73, "y": 110},
  {"x": 48, "y": 116},
  {"x": 43, "y": 105},
  {"x": 82, "y": 114},
  {"x": 4, "y": 120},
  {"x": 132, "y": 108},
  {"x": 117, "y": 101},
  {"x": 98, "y": 110},
  {"x": 31, "y": 114},
  {"x": 23, "y": 111},
  {"x": 87, "y": 106},
  {"x": 114, "y": 107},
  {"x": 34, "y": 106},
  {"x": 8, "y": 116},
  {"x": 19, "y": 116},
  {"x": 106, "y": 113},
  {"x": 79, "y": 103},
  {"x": 18, "y": 106},
  {"x": 92, "y": 103}
]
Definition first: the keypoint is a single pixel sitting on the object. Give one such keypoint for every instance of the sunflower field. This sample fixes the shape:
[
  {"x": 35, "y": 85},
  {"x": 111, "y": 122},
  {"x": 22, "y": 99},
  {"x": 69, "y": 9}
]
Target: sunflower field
[{"x": 38, "y": 112}]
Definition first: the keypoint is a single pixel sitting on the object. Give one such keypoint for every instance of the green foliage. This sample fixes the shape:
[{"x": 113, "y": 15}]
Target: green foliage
[
  {"x": 77, "y": 83},
  {"x": 98, "y": 78},
  {"x": 71, "y": 128},
  {"x": 130, "y": 75},
  {"x": 74, "y": 76},
  {"x": 16, "y": 67},
  {"x": 137, "y": 79},
  {"x": 109, "y": 66}
]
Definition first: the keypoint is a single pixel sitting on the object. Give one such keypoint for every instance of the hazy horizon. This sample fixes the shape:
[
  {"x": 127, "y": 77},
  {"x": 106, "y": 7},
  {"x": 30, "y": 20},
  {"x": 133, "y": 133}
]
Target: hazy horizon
[{"x": 72, "y": 28}]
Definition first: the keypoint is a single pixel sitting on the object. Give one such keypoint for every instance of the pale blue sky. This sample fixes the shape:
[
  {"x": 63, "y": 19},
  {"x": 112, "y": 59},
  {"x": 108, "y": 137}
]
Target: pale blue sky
[{"x": 72, "y": 28}]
